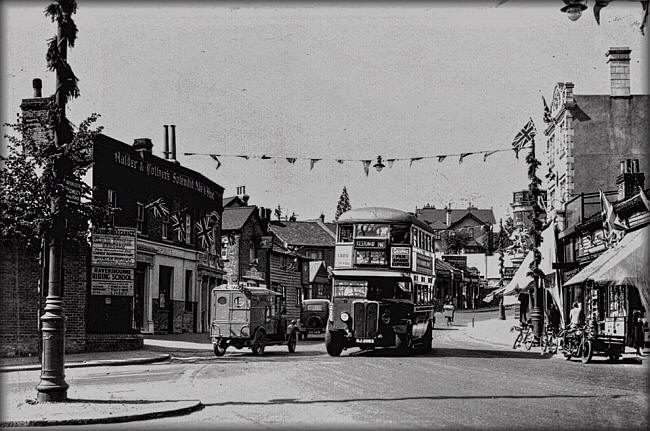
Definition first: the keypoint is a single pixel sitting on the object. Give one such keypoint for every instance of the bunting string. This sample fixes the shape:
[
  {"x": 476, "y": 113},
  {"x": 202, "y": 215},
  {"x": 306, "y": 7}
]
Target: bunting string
[{"x": 518, "y": 145}]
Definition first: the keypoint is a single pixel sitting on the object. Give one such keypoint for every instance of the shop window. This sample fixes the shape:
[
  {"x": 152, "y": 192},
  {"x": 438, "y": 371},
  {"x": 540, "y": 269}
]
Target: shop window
[
  {"x": 139, "y": 217},
  {"x": 165, "y": 277},
  {"x": 188, "y": 290},
  {"x": 164, "y": 227}
]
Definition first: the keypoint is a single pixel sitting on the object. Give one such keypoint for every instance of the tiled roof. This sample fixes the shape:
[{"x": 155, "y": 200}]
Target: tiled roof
[
  {"x": 234, "y": 218},
  {"x": 227, "y": 201},
  {"x": 437, "y": 217},
  {"x": 308, "y": 233},
  {"x": 314, "y": 267}
]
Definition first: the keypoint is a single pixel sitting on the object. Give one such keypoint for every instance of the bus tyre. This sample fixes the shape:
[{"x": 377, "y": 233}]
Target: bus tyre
[
  {"x": 292, "y": 343},
  {"x": 587, "y": 352},
  {"x": 333, "y": 343},
  {"x": 404, "y": 342},
  {"x": 427, "y": 340},
  {"x": 220, "y": 348},
  {"x": 259, "y": 343}
]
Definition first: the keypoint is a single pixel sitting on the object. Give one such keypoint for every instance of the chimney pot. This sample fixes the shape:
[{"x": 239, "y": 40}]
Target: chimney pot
[
  {"x": 636, "y": 165},
  {"x": 37, "y": 85},
  {"x": 166, "y": 151},
  {"x": 622, "y": 166}
]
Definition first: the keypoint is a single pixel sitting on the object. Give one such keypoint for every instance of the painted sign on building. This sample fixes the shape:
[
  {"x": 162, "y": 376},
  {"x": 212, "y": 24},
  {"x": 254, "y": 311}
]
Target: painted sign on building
[
  {"x": 111, "y": 281},
  {"x": 424, "y": 264},
  {"x": 114, "y": 247}
]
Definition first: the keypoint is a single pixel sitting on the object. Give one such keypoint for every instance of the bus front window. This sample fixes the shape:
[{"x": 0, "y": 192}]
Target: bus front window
[{"x": 355, "y": 289}]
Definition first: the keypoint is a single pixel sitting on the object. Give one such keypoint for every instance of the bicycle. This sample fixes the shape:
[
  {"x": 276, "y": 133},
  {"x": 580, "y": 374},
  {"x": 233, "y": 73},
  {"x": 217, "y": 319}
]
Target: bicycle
[
  {"x": 525, "y": 334},
  {"x": 549, "y": 340}
]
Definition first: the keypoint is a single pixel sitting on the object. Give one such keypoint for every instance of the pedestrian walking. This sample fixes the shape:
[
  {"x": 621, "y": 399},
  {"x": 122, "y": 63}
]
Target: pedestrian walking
[
  {"x": 523, "y": 307},
  {"x": 637, "y": 331},
  {"x": 448, "y": 311},
  {"x": 554, "y": 317}
]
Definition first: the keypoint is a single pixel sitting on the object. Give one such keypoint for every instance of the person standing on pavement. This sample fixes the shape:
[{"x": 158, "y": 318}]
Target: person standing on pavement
[
  {"x": 637, "y": 331},
  {"x": 523, "y": 307},
  {"x": 553, "y": 316},
  {"x": 448, "y": 310}
]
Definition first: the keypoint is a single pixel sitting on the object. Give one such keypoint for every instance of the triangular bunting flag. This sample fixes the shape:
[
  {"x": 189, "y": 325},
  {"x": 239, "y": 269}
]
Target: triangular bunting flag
[
  {"x": 339, "y": 161},
  {"x": 390, "y": 162},
  {"x": 366, "y": 166},
  {"x": 312, "y": 162},
  {"x": 413, "y": 160},
  {"x": 291, "y": 160},
  {"x": 487, "y": 154},
  {"x": 462, "y": 156},
  {"x": 265, "y": 157},
  {"x": 244, "y": 157},
  {"x": 214, "y": 157},
  {"x": 441, "y": 158}
]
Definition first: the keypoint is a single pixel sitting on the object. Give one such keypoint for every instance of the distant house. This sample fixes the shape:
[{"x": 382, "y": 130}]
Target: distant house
[
  {"x": 312, "y": 239},
  {"x": 320, "y": 286},
  {"x": 476, "y": 223}
]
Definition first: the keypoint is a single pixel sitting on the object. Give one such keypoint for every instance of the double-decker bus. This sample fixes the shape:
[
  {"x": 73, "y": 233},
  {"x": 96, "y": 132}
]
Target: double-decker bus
[{"x": 382, "y": 287}]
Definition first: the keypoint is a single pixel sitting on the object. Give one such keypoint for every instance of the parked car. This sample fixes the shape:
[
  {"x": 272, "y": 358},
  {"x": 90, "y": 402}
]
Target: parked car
[
  {"x": 313, "y": 317},
  {"x": 249, "y": 316}
]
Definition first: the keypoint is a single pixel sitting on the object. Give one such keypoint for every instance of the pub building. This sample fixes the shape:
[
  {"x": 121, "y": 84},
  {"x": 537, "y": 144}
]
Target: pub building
[{"x": 176, "y": 214}]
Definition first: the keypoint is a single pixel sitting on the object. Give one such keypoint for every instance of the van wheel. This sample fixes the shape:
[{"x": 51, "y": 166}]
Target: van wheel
[
  {"x": 220, "y": 348},
  {"x": 259, "y": 343},
  {"x": 292, "y": 343},
  {"x": 333, "y": 343}
]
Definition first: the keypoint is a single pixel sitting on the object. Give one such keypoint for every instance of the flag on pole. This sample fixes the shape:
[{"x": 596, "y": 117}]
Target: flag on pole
[
  {"x": 158, "y": 207},
  {"x": 178, "y": 226},
  {"x": 204, "y": 233},
  {"x": 524, "y": 137},
  {"x": 548, "y": 118}
]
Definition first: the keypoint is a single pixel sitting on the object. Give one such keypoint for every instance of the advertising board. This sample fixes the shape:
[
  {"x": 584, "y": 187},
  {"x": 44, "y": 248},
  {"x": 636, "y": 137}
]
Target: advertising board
[
  {"x": 400, "y": 257},
  {"x": 112, "y": 281},
  {"x": 114, "y": 247}
]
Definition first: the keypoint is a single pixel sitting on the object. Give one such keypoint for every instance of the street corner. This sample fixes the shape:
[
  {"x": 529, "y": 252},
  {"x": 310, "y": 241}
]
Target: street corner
[{"x": 31, "y": 413}]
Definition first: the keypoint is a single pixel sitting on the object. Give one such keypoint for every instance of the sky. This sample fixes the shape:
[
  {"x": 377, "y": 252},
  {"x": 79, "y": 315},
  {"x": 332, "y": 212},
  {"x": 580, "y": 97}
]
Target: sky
[{"x": 329, "y": 81}]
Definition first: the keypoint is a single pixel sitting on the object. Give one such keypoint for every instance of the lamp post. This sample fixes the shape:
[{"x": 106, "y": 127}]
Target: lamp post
[
  {"x": 536, "y": 315},
  {"x": 52, "y": 386}
]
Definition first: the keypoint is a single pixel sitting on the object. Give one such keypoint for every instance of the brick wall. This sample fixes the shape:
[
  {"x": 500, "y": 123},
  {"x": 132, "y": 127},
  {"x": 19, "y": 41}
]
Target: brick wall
[{"x": 20, "y": 272}]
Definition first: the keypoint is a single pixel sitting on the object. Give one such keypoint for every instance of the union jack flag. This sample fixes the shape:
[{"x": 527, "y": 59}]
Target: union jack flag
[
  {"x": 203, "y": 232},
  {"x": 159, "y": 208},
  {"x": 525, "y": 136},
  {"x": 178, "y": 226}
]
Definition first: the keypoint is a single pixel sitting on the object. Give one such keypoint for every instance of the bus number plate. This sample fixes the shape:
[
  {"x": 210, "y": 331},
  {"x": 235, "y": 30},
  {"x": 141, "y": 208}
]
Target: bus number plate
[{"x": 365, "y": 340}]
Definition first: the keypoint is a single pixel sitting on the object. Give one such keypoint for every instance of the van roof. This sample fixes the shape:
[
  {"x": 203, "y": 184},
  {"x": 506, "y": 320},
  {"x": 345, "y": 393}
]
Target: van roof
[{"x": 252, "y": 289}]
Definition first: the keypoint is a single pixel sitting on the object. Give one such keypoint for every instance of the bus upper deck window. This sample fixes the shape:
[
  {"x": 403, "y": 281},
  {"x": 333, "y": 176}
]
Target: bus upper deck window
[{"x": 345, "y": 233}]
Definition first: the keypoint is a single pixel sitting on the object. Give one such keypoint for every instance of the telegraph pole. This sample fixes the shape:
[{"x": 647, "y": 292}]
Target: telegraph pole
[{"x": 53, "y": 387}]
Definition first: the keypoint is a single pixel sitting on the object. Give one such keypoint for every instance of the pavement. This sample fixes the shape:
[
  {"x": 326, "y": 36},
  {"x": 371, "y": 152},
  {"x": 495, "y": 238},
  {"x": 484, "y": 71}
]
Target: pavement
[{"x": 91, "y": 409}]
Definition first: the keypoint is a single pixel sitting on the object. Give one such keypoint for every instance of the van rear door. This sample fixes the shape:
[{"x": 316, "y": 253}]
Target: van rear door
[{"x": 238, "y": 312}]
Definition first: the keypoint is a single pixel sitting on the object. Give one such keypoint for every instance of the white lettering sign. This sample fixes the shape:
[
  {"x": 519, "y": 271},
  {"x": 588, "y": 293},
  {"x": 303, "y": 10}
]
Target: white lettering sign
[{"x": 112, "y": 281}]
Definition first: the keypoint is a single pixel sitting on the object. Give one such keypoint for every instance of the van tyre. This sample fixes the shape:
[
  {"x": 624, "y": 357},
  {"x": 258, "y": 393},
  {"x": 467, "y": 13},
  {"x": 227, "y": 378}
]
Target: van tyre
[
  {"x": 259, "y": 343},
  {"x": 291, "y": 344},
  {"x": 333, "y": 343},
  {"x": 220, "y": 348}
]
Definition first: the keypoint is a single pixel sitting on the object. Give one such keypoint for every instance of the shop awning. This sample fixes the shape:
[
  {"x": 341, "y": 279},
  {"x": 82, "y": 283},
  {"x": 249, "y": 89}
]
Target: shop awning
[
  {"x": 520, "y": 281},
  {"x": 624, "y": 264}
]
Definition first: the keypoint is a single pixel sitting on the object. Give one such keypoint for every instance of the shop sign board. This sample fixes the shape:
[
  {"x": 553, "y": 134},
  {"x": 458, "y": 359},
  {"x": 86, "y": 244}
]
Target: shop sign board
[
  {"x": 114, "y": 247},
  {"x": 400, "y": 257},
  {"x": 112, "y": 281},
  {"x": 73, "y": 190}
]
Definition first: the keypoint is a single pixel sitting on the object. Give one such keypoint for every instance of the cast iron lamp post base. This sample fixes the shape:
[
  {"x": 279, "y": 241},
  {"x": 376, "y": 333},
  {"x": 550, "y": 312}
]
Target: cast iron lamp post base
[{"x": 52, "y": 387}]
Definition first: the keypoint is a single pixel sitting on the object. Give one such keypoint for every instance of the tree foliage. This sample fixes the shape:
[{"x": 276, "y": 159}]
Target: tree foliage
[
  {"x": 343, "y": 205},
  {"x": 27, "y": 182}
]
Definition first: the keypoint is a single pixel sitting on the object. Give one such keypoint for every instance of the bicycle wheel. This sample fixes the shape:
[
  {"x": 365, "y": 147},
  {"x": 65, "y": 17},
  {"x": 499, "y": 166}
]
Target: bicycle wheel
[
  {"x": 529, "y": 339},
  {"x": 517, "y": 342}
]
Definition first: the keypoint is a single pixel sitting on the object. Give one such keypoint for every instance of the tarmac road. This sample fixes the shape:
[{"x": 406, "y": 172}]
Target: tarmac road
[{"x": 463, "y": 383}]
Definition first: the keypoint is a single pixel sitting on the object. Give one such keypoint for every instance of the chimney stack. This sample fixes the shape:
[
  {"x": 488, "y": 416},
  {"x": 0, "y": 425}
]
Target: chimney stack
[
  {"x": 37, "y": 85},
  {"x": 448, "y": 215},
  {"x": 166, "y": 150},
  {"x": 172, "y": 149},
  {"x": 142, "y": 145},
  {"x": 629, "y": 180},
  {"x": 619, "y": 69}
]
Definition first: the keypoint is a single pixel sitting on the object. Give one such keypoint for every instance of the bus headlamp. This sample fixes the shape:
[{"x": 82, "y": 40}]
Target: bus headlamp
[{"x": 345, "y": 316}]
